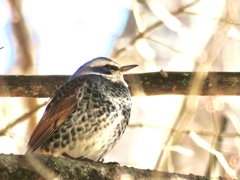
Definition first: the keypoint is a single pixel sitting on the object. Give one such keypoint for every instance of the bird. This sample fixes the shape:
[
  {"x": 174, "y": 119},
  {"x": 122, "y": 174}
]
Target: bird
[{"x": 86, "y": 116}]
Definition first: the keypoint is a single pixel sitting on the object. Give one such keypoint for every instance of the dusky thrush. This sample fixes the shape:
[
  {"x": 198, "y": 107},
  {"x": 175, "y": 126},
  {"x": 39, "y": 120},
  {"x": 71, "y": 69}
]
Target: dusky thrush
[{"x": 87, "y": 115}]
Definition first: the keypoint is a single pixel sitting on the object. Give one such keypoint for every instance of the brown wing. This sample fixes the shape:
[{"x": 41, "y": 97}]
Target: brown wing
[{"x": 58, "y": 109}]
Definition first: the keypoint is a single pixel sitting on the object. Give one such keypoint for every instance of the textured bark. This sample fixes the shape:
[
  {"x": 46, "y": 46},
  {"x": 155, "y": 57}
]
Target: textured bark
[
  {"x": 146, "y": 84},
  {"x": 30, "y": 167}
]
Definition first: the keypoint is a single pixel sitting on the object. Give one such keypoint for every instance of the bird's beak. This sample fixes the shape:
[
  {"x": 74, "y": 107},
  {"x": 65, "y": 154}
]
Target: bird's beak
[{"x": 128, "y": 67}]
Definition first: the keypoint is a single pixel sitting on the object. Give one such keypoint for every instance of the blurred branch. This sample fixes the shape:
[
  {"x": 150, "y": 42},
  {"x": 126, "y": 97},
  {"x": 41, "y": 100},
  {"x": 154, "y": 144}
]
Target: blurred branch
[
  {"x": 137, "y": 17},
  {"x": 148, "y": 30},
  {"x": 25, "y": 61},
  {"x": 205, "y": 145},
  {"x": 20, "y": 119},
  {"x": 189, "y": 108},
  {"x": 172, "y": 47},
  {"x": 18, "y": 166},
  {"x": 199, "y": 133},
  {"x": 146, "y": 84},
  {"x": 229, "y": 21},
  {"x": 24, "y": 58}
]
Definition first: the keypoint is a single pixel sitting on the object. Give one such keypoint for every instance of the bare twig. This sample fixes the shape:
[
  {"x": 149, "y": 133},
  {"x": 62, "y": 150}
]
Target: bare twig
[
  {"x": 200, "y": 133},
  {"x": 21, "y": 119},
  {"x": 149, "y": 29},
  {"x": 205, "y": 145},
  {"x": 229, "y": 21},
  {"x": 24, "y": 59}
]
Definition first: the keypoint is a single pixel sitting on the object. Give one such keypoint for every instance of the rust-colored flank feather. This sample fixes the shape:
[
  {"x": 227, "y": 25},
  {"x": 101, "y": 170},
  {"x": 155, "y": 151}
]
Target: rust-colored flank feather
[{"x": 56, "y": 113}]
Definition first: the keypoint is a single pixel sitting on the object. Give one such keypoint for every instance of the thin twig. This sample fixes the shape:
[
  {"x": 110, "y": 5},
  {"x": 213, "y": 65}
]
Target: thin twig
[
  {"x": 205, "y": 145},
  {"x": 149, "y": 29},
  {"x": 202, "y": 133},
  {"x": 21, "y": 119},
  {"x": 230, "y": 21}
]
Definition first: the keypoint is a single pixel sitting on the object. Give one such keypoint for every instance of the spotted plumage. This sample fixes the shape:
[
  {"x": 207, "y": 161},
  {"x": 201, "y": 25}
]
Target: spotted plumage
[{"x": 87, "y": 115}]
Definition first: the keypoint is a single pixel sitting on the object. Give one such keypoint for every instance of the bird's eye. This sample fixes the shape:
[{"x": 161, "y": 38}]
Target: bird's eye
[{"x": 110, "y": 67}]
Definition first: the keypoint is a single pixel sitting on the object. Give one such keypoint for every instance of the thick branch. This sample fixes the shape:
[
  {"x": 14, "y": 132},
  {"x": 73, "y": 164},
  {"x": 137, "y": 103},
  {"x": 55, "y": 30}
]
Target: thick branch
[
  {"x": 216, "y": 83},
  {"x": 30, "y": 167}
]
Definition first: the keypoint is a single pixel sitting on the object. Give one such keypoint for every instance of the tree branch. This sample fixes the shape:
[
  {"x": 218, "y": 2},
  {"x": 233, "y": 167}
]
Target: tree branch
[
  {"x": 31, "y": 166},
  {"x": 146, "y": 84}
]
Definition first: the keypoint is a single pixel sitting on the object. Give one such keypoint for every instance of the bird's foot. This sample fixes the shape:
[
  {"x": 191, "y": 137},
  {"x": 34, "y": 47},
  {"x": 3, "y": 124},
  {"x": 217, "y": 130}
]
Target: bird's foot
[
  {"x": 81, "y": 158},
  {"x": 113, "y": 163},
  {"x": 109, "y": 163},
  {"x": 101, "y": 160}
]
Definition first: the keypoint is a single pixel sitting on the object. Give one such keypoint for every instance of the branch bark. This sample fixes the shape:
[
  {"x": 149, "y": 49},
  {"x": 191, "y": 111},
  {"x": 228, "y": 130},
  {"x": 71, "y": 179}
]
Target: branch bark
[
  {"x": 146, "y": 84},
  {"x": 31, "y": 166}
]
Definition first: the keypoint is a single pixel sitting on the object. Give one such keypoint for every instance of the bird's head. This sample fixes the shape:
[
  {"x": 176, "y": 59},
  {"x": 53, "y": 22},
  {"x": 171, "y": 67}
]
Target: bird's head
[{"x": 103, "y": 66}]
